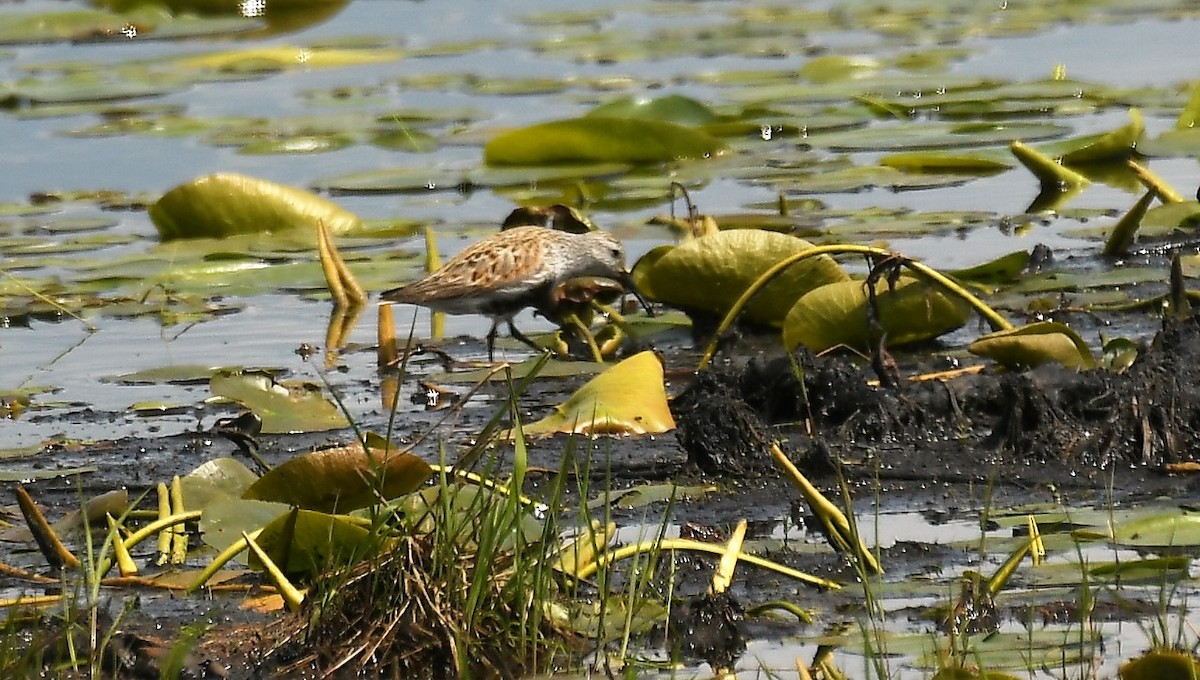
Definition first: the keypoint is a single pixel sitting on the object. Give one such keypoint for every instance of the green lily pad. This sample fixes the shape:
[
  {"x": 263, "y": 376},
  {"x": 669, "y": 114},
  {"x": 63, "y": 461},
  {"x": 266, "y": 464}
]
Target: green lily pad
[
  {"x": 709, "y": 274},
  {"x": 182, "y": 374},
  {"x": 940, "y": 161},
  {"x": 1162, "y": 531},
  {"x": 283, "y": 407},
  {"x": 1035, "y": 344},
  {"x": 1000, "y": 270},
  {"x": 225, "y": 519},
  {"x": 308, "y": 542},
  {"x": 300, "y": 144},
  {"x": 341, "y": 479},
  {"x": 425, "y": 179},
  {"x": 216, "y": 479},
  {"x": 837, "y": 314},
  {"x": 674, "y": 108},
  {"x": 628, "y": 398},
  {"x": 832, "y": 68},
  {"x": 282, "y": 57},
  {"x": 928, "y": 135},
  {"x": 225, "y": 204},
  {"x": 600, "y": 139}
]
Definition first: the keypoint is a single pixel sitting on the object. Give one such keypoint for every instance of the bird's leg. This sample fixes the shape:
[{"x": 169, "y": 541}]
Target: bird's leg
[
  {"x": 512, "y": 330},
  {"x": 491, "y": 340}
]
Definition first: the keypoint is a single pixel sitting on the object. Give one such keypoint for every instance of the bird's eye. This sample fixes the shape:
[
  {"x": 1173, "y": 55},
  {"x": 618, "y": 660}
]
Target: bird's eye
[{"x": 617, "y": 254}]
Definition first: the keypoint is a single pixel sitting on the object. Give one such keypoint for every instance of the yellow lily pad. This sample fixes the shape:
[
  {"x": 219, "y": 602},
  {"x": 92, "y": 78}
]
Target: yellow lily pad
[
  {"x": 341, "y": 479},
  {"x": 710, "y": 273},
  {"x": 628, "y": 398},
  {"x": 224, "y": 204},
  {"x": 1035, "y": 344},
  {"x": 837, "y": 315}
]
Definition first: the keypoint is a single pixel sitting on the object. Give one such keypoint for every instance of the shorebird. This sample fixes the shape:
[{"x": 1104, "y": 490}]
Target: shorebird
[{"x": 514, "y": 269}]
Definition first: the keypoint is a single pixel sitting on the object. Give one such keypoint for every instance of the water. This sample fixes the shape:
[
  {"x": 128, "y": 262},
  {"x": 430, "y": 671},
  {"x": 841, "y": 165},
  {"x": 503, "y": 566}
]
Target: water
[{"x": 64, "y": 356}]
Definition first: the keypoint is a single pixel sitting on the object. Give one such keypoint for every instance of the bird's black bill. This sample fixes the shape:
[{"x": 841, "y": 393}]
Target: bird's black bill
[{"x": 627, "y": 281}]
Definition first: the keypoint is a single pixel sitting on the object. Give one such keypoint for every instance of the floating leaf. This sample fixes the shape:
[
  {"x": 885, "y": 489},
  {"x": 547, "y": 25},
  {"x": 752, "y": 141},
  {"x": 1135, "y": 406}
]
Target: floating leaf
[
  {"x": 709, "y": 274},
  {"x": 600, "y": 139},
  {"x": 832, "y": 68},
  {"x": 628, "y": 398},
  {"x": 1176, "y": 529},
  {"x": 937, "y": 161},
  {"x": 292, "y": 407},
  {"x": 214, "y": 480},
  {"x": 225, "y": 204},
  {"x": 1000, "y": 270},
  {"x": 1035, "y": 344},
  {"x": 279, "y": 57},
  {"x": 182, "y": 374},
  {"x": 838, "y": 314},
  {"x": 341, "y": 479},
  {"x": 674, "y": 108},
  {"x": 225, "y": 519},
  {"x": 311, "y": 542},
  {"x": 909, "y": 136}
]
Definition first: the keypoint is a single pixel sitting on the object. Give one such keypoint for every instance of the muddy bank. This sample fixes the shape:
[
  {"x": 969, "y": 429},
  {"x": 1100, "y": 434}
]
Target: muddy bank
[{"x": 943, "y": 448}]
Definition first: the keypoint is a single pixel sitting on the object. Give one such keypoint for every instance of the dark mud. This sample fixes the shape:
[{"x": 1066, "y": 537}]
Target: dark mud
[{"x": 945, "y": 448}]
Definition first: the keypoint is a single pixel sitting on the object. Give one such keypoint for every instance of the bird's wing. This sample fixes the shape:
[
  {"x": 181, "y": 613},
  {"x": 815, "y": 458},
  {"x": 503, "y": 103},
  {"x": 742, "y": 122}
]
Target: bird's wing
[{"x": 488, "y": 267}]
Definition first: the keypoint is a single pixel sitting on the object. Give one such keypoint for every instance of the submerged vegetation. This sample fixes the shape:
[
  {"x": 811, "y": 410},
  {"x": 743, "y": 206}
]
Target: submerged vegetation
[{"x": 838, "y": 343}]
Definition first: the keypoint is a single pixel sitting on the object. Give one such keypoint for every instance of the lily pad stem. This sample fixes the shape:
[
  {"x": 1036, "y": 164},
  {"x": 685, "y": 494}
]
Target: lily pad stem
[{"x": 993, "y": 318}]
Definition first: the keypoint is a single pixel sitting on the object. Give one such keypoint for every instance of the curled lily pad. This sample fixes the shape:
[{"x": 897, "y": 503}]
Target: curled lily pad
[
  {"x": 1163, "y": 219},
  {"x": 224, "y": 204},
  {"x": 1046, "y": 169},
  {"x": 600, "y": 139},
  {"x": 628, "y": 398},
  {"x": 1119, "y": 355},
  {"x": 1115, "y": 145},
  {"x": 341, "y": 479},
  {"x": 1035, "y": 344},
  {"x": 295, "y": 407},
  {"x": 838, "y": 314},
  {"x": 708, "y": 274}
]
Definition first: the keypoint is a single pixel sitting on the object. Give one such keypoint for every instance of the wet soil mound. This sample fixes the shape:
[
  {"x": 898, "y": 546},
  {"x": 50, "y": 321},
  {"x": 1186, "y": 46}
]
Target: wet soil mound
[{"x": 1148, "y": 416}]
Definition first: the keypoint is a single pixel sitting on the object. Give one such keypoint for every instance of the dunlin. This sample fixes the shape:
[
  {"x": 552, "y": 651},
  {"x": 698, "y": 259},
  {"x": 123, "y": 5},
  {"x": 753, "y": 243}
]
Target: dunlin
[{"x": 514, "y": 269}]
